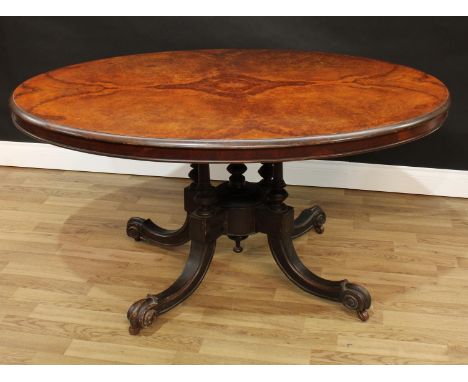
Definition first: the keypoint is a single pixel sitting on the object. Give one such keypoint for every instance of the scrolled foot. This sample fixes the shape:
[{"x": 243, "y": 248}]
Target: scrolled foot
[
  {"x": 313, "y": 217},
  {"x": 142, "y": 314},
  {"x": 357, "y": 298},
  {"x": 134, "y": 228}
]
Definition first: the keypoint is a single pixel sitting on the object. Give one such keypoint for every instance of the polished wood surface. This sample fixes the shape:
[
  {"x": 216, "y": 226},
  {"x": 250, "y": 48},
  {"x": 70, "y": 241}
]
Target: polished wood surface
[
  {"x": 67, "y": 272},
  {"x": 230, "y": 105}
]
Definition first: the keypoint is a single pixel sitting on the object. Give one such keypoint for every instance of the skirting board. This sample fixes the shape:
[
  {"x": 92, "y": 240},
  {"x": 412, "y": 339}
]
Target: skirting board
[{"x": 319, "y": 173}]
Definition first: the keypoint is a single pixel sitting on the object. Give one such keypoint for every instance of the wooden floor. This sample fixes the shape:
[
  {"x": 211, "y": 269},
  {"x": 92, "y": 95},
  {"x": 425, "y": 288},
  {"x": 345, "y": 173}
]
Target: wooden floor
[{"x": 68, "y": 273}]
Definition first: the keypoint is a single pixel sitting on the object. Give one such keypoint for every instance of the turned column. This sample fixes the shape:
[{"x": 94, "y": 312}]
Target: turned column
[
  {"x": 237, "y": 179},
  {"x": 237, "y": 183},
  {"x": 205, "y": 195},
  {"x": 277, "y": 194},
  {"x": 266, "y": 172},
  {"x": 193, "y": 175}
]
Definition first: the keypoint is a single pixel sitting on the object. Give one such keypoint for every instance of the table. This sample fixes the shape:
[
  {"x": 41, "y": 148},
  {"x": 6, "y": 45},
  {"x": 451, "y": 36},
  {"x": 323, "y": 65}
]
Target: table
[{"x": 232, "y": 106}]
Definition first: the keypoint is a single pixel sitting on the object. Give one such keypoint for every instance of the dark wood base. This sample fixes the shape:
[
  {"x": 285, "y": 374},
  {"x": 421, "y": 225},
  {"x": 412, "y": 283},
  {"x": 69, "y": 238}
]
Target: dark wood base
[{"x": 237, "y": 208}]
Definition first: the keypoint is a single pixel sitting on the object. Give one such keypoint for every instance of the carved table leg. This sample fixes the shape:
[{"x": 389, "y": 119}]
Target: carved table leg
[
  {"x": 204, "y": 227},
  {"x": 145, "y": 229},
  {"x": 313, "y": 217},
  {"x": 143, "y": 312},
  {"x": 277, "y": 222},
  {"x": 352, "y": 296}
]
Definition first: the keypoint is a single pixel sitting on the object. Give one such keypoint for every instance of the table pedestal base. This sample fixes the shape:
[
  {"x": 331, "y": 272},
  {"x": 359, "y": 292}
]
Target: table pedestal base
[{"x": 237, "y": 208}]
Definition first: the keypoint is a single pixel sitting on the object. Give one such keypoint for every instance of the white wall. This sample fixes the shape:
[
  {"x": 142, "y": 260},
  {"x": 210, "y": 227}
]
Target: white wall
[{"x": 321, "y": 173}]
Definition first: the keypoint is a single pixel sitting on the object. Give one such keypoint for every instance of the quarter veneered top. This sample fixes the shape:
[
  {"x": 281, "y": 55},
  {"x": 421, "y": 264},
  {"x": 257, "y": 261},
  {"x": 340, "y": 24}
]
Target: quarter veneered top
[{"x": 229, "y": 99}]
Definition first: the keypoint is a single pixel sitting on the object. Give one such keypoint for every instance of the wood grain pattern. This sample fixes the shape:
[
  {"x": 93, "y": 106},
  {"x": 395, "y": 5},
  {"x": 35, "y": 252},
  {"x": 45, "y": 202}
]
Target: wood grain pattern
[
  {"x": 217, "y": 105},
  {"x": 68, "y": 273}
]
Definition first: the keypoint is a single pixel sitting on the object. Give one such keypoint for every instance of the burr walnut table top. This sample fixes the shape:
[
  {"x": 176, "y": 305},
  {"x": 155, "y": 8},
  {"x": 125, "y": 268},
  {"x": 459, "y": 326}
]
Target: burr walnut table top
[{"x": 230, "y": 105}]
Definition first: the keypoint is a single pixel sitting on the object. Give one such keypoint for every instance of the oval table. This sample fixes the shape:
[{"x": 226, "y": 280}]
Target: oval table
[{"x": 235, "y": 107}]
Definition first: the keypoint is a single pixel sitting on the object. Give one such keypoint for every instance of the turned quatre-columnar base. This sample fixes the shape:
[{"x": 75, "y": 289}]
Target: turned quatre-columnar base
[{"x": 237, "y": 208}]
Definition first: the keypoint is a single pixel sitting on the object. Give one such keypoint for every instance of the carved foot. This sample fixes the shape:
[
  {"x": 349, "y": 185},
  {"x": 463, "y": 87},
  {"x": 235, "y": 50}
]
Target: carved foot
[
  {"x": 313, "y": 217},
  {"x": 142, "y": 314},
  {"x": 134, "y": 226},
  {"x": 145, "y": 229},
  {"x": 357, "y": 298}
]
